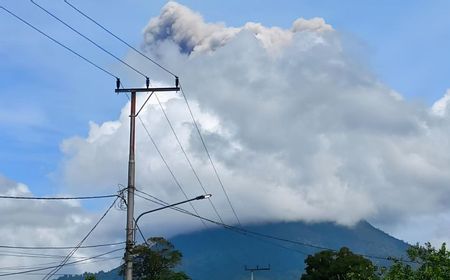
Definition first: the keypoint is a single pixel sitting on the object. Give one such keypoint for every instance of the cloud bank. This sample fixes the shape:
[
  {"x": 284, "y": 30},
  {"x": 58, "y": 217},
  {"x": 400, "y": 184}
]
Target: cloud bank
[
  {"x": 49, "y": 224},
  {"x": 299, "y": 128}
]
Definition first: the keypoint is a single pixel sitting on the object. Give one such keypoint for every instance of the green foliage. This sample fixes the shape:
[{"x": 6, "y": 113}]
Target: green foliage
[
  {"x": 426, "y": 262},
  {"x": 341, "y": 265},
  {"x": 157, "y": 261},
  {"x": 89, "y": 277}
]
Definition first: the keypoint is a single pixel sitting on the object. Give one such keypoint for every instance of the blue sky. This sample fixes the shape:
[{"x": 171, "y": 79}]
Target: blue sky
[{"x": 50, "y": 95}]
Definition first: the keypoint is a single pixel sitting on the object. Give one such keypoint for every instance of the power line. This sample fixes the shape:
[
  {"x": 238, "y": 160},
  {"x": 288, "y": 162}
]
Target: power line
[
  {"x": 100, "y": 259},
  {"x": 57, "y": 198},
  {"x": 108, "y": 52},
  {"x": 131, "y": 67},
  {"x": 187, "y": 158},
  {"x": 51, "y": 263},
  {"x": 158, "y": 201},
  {"x": 22, "y": 267},
  {"x": 180, "y": 209},
  {"x": 31, "y": 255},
  {"x": 118, "y": 38},
  {"x": 58, "y": 42},
  {"x": 140, "y": 232},
  {"x": 252, "y": 234},
  {"x": 34, "y": 269},
  {"x": 72, "y": 252},
  {"x": 59, "y": 247},
  {"x": 165, "y": 69},
  {"x": 42, "y": 265},
  {"x": 88, "y": 39},
  {"x": 209, "y": 156},
  {"x": 56, "y": 266}
]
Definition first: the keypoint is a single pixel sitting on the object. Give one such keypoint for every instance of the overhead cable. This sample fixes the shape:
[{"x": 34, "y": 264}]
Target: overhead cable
[
  {"x": 88, "y": 39},
  {"x": 57, "y": 198},
  {"x": 21, "y": 254},
  {"x": 44, "y": 265},
  {"x": 118, "y": 38},
  {"x": 187, "y": 158},
  {"x": 174, "y": 178},
  {"x": 153, "y": 61},
  {"x": 72, "y": 252},
  {"x": 60, "y": 247},
  {"x": 56, "y": 266},
  {"x": 251, "y": 233},
  {"x": 209, "y": 156},
  {"x": 180, "y": 209},
  {"x": 59, "y": 43}
]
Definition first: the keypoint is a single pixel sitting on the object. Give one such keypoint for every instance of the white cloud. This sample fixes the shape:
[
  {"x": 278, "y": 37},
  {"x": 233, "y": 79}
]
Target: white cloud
[
  {"x": 314, "y": 24},
  {"x": 439, "y": 107},
  {"x": 306, "y": 134}
]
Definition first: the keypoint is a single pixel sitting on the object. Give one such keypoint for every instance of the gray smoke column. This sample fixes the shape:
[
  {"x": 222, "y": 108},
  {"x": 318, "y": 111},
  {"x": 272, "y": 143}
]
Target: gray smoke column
[{"x": 188, "y": 30}]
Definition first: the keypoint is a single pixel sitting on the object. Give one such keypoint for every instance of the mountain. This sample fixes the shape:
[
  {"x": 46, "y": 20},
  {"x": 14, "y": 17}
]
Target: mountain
[{"x": 222, "y": 254}]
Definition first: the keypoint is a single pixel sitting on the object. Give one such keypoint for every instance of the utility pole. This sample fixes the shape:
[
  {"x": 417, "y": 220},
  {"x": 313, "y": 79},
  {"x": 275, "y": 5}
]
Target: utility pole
[
  {"x": 257, "y": 268},
  {"x": 131, "y": 166}
]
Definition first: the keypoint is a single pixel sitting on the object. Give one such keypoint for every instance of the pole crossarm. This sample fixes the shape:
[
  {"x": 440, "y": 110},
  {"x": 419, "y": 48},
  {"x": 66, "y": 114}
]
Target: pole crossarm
[
  {"x": 257, "y": 268},
  {"x": 150, "y": 89}
]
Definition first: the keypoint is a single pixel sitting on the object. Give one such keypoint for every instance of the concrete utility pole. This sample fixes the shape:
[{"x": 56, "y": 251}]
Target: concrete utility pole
[
  {"x": 131, "y": 167},
  {"x": 257, "y": 268}
]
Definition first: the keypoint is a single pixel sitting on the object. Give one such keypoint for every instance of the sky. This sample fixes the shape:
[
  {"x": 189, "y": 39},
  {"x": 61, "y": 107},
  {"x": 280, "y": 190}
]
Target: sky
[{"x": 311, "y": 110}]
